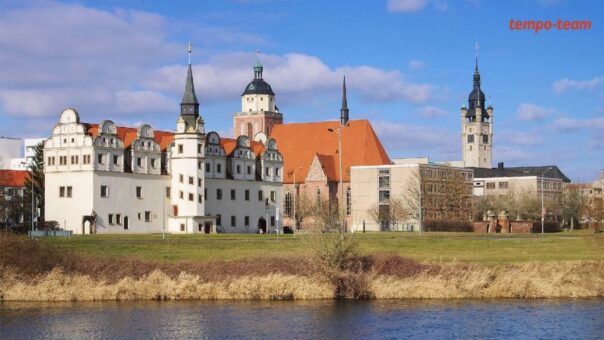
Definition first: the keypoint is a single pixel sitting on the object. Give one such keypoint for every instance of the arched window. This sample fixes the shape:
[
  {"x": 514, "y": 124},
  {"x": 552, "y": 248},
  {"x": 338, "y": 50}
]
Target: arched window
[
  {"x": 348, "y": 201},
  {"x": 318, "y": 198},
  {"x": 289, "y": 203},
  {"x": 249, "y": 131}
]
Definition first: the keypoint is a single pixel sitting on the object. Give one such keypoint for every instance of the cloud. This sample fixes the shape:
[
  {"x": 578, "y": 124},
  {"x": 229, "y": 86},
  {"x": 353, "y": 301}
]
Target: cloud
[
  {"x": 564, "y": 85},
  {"x": 573, "y": 124},
  {"x": 432, "y": 111},
  {"x": 532, "y": 112},
  {"x": 416, "y": 65},
  {"x": 418, "y": 141},
  {"x": 406, "y": 5},
  {"x": 522, "y": 138},
  {"x": 511, "y": 154},
  {"x": 143, "y": 102},
  {"x": 293, "y": 76}
]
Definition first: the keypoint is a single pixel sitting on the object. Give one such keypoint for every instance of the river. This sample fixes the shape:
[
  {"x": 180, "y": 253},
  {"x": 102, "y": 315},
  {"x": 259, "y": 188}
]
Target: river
[{"x": 419, "y": 319}]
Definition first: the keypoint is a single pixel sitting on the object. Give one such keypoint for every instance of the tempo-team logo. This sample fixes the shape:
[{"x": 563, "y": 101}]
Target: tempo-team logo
[{"x": 561, "y": 25}]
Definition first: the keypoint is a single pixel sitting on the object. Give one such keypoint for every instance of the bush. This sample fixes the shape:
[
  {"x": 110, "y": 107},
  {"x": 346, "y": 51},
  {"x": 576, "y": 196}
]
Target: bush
[
  {"x": 448, "y": 225},
  {"x": 548, "y": 227}
]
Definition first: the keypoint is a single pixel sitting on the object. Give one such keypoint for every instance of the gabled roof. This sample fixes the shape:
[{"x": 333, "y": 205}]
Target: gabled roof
[
  {"x": 129, "y": 134},
  {"x": 521, "y": 171},
  {"x": 300, "y": 142},
  {"x": 13, "y": 178},
  {"x": 229, "y": 145}
]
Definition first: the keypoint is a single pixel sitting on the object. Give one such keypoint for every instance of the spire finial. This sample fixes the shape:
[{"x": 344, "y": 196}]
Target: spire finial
[
  {"x": 258, "y": 67},
  {"x": 344, "y": 110},
  {"x": 476, "y": 66},
  {"x": 189, "y": 50}
]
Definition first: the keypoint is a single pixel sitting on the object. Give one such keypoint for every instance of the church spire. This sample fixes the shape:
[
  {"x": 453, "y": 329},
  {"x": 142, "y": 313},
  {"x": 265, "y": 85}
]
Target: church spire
[
  {"x": 189, "y": 106},
  {"x": 344, "y": 109}
]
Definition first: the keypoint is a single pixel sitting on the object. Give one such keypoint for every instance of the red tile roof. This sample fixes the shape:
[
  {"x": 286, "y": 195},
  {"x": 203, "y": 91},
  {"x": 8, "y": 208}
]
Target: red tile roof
[
  {"x": 229, "y": 144},
  {"x": 13, "y": 178},
  {"x": 300, "y": 142},
  {"x": 128, "y": 135}
]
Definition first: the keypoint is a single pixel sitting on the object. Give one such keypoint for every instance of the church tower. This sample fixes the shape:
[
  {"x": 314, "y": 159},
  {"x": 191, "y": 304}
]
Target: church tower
[
  {"x": 259, "y": 112},
  {"x": 477, "y": 128},
  {"x": 186, "y": 163},
  {"x": 344, "y": 110}
]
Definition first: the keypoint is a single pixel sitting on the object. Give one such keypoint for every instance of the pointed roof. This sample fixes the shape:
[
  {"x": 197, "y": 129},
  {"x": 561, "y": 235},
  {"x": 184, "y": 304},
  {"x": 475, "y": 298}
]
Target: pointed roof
[
  {"x": 299, "y": 143},
  {"x": 344, "y": 110},
  {"x": 189, "y": 96}
]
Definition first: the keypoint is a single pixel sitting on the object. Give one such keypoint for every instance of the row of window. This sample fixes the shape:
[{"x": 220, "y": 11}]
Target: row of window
[
  {"x": 105, "y": 191},
  {"x": 181, "y": 179},
  {"x": 181, "y": 148},
  {"x": 485, "y": 138},
  {"x": 75, "y": 159}
]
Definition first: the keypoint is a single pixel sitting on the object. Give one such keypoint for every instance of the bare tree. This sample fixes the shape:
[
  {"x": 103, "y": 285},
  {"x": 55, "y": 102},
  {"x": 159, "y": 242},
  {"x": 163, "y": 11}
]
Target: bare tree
[
  {"x": 327, "y": 216},
  {"x": 392, "y": 214},
  {"x": 573, "y": 205}
]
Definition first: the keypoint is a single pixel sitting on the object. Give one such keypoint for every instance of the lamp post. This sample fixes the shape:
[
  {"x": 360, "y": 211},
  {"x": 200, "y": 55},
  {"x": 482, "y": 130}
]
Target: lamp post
[
  {"x": 542, "y": 204},
  {"x": 339, "y": 131},
  {"x": 295, "y": 194}
]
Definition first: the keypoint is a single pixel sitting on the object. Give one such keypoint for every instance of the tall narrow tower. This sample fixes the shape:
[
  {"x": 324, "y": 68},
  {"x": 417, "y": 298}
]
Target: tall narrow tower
[
  {"x": 259, "y": 112},
  {"x": 186, "y": 163},
  {"x": 477, "y": 128},
  {"x": 344, "y": 109}
]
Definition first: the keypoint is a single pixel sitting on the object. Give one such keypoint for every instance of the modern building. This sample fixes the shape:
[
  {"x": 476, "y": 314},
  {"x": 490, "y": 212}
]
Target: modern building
[
  {"x": 389, "y": 198},
  {"x": 10, "y": 148},
  {"x": 103, "y": 178}
]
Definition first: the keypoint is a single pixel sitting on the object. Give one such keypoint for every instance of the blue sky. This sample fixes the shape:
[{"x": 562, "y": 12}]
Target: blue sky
[{"x": 408, "y": 64}]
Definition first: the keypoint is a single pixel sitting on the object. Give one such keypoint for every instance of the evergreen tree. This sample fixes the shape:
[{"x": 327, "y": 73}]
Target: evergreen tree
[{"x": 36, "y": 175}]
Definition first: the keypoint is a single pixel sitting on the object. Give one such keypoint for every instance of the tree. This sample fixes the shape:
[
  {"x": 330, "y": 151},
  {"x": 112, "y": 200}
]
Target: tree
[
  {"x": 573, "y": 205},
  {"x": 36, "y": 176},
  {"x": 327, "y": 216},
  {"x": 392, "y": 214},
  {"x": 304, "y": 208}
]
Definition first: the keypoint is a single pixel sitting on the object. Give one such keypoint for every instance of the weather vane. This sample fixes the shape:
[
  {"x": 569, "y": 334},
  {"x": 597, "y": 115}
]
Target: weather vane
[{"x": 189, "y": 50}]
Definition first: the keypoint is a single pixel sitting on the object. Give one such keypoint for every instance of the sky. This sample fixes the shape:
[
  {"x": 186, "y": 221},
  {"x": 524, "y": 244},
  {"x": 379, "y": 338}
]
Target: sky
[{"x": 408, "y": 67}]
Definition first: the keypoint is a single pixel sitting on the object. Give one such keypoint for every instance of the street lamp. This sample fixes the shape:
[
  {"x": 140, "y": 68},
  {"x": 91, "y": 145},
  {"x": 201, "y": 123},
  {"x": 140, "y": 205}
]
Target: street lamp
[
  {"x": 295, "y": 194},
  {"x": 542, "y": 206},
  {"x": 339, "y": 131}
]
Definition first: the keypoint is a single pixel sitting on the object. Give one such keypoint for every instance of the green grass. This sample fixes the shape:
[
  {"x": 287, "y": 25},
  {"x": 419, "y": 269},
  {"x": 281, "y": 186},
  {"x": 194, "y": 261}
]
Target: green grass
[{"x": 433, "y": 247}]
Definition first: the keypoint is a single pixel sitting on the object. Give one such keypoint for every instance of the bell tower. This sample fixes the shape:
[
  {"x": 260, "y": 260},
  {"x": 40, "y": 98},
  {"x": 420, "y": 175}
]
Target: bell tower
[
  {"x": 259, "y": 112},
  {"x": 477, "y": 127}
]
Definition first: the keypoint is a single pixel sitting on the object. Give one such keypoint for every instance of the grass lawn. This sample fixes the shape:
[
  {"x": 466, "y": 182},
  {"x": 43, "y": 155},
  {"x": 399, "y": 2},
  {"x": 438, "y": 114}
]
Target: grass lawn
[{"x": 433, "y": 247}]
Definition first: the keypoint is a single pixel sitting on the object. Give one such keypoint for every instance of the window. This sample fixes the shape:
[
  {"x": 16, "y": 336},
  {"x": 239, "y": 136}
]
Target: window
[
  {"x": 218, "y": 194},
  {"x": 238, "y": 169},
  {"x": 181, "y": 178},
  {"x": 199, "y": 148},
  {"x": 68, "y": 191},
  {"x": 267, "y": 171},
  {"x": 318, "y": 196},
  {"x": 272, "y": 221},
  {"x": 180, "y": 148},
  {"x": 191, "y": 197},
  {"x": 246, "y": 220},
  {"x": 182, "y": 225},
  {"x": 233, "y": 221},
  {"x": 384, "y": 182},
  {"x": 110, "y": 219},
  {"x": 490, "y": 185},
  {"x": 199, "y": 182},
  {"x": 118, "y": 219},
  {"x": 485, "y": 139},
  {"x": 273, "y": 196},
  {"x": 233, "y": 196},
  {"x": 199, "y": 199},
  {"x": 277, "y": 172},
  {"x": 115, "y": 159},
  {"x": 139, "y": 216},
  {"x": 205, "y": 192},
  {"x": 139, "y": 161},
  {"x": 100, "y": 158},
  {"x": 260, "y": 195},
  {"x": 191, "y": 180},
  {"x": 288, "y": 204},
  {"x": 218, "y": 220},
  {"x": 104, "y": 191},
  {"x": 470, "y": 138},
  {"x": 153, "y": 162},
  {"x": 85, "y": 159},
  {"x": 503, "y": 185},
  {"x": 181, "y": 195},
  {"x": 199, "y": 165},
  {"x": 348, "y": 201},
  {"x": 247, "y": 195},
  {"x": 139, "y": 192},
  {"x": 249, "y": 170},
  {"x": 147, "y": 216},
  {"x": 168, "y": 192},
  {"x": 207, "y": 167},
  {"x": 218, "y": 168},
  {"x": 61, "y": 191},
  {"x": 384, "y": 196}
]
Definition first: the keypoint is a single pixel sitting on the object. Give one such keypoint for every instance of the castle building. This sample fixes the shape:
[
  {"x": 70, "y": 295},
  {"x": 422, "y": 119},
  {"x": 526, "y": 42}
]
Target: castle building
[{"x": 103, "y": 178}]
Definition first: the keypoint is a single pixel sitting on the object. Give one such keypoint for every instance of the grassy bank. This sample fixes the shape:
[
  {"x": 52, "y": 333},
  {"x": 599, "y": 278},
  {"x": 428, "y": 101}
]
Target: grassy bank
[
  {"x": 431, "y": 247},
  {"x": 64, "y": 270}
]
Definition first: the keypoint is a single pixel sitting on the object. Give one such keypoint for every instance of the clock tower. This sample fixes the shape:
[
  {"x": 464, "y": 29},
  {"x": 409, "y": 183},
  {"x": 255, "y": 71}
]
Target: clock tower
[{"x": 259, "y": 112}]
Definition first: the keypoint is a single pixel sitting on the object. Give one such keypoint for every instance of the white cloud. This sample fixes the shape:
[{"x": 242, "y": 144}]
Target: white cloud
[
  {"x": 143, "y": 102},
  {"x": 417, "y": 65},
  {"x": 294, "y": 77},
  {"x": 532, "y": 112},
  {"x": 563, "y": 85},
  {"x": 406, "y": 5},
  {"x": 573, "y": 124},
  {"x": 523, "y": 138},
  {"x": 511, "y": 154},
  {"x": 432, "y": 111},
  {"x": 418, "y": 141}
]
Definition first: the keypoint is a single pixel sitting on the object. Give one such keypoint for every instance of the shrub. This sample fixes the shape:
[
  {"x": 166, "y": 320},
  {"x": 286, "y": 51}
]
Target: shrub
[
  {"x": 548, "y": 226},
  {"x": 448, "y": 225}
]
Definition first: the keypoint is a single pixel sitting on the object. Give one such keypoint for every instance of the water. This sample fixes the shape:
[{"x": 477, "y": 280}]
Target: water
[{"x": 461, "y": 319}]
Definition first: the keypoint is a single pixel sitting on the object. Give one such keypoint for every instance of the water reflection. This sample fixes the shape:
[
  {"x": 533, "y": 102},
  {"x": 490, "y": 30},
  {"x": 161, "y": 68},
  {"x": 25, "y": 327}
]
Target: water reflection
[{"x": 305, "y": 319}]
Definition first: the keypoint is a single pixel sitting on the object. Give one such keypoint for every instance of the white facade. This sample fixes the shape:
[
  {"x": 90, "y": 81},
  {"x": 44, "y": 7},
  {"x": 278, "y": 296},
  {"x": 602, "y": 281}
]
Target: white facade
[{"x": 9, "y": 148}]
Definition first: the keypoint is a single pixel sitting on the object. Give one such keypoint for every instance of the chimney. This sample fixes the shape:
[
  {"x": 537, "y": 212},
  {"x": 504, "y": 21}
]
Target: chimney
[{"x": 500, "y": 166}]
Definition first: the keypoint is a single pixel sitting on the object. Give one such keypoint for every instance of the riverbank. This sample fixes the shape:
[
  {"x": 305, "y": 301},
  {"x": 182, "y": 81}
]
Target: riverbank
[{"x": 36, "y": 271}]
